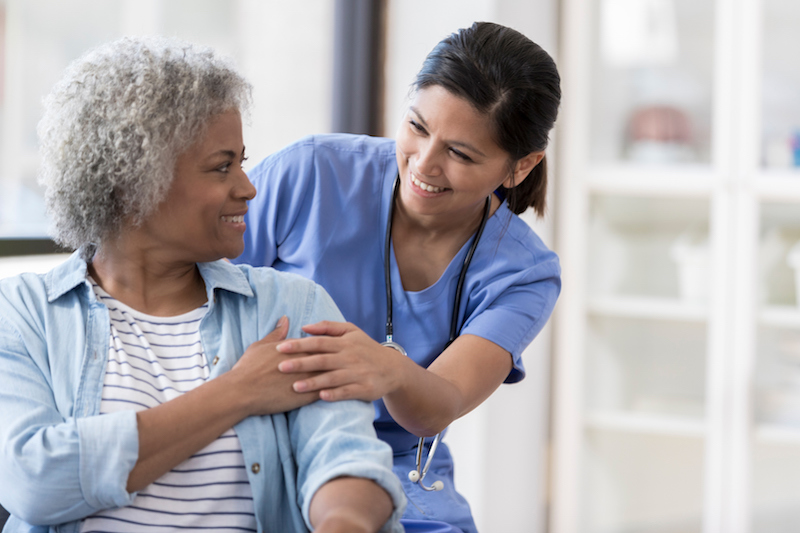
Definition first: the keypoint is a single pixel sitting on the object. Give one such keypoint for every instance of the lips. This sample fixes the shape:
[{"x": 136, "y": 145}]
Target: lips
[{"x": 426, "y": 186}]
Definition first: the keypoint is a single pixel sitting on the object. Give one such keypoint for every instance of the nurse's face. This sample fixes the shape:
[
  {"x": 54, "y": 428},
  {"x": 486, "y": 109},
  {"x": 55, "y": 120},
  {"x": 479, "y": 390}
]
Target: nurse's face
[{"x": 448, "y": 160}]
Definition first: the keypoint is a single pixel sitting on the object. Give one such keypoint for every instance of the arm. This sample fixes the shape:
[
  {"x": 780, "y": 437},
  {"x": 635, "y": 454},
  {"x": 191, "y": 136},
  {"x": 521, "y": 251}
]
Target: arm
[
  {"x": 344, "y": 472},
  {"x": 423, "y": 401},
  {"x": 90, "y": 460},
  {"x": 173, "y": 431},
  {"x": 350, "y": 505}
]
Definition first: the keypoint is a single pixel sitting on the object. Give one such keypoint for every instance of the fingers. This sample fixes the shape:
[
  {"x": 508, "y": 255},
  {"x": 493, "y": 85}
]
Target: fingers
[
  {"x": 332, "y": 329},
  {"x": 279, "y": 333},
  {"x": 336, "y": 386},
  {"x": 310, "y": 363},
  {"x": 310, "y": 345}
]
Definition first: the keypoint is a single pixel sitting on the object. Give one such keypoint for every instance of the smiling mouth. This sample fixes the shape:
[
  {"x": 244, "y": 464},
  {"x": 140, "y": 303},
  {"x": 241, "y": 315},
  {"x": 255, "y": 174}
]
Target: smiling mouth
[
  {"x": 426, "y": 186},
  {"x": 238, "y": 219}
]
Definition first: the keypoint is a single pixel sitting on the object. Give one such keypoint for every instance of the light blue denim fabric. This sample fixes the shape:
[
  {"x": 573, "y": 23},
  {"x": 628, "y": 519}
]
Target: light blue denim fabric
[{"x": 60, "y": 461}]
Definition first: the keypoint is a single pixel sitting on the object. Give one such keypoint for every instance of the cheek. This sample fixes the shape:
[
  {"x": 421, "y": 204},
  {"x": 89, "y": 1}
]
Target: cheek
[{"x": 406, "y": 146}]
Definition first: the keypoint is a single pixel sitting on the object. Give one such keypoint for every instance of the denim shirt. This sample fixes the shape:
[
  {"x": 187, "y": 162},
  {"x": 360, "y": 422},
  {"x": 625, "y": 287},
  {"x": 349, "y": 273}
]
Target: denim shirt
[{"x": 61, "y": 461}]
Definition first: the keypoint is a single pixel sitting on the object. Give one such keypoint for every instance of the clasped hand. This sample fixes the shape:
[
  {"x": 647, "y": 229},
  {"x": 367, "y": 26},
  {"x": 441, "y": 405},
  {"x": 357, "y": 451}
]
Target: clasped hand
[
  {"x": 268, "y": 390},
  {"x": 345, "y": 362}
]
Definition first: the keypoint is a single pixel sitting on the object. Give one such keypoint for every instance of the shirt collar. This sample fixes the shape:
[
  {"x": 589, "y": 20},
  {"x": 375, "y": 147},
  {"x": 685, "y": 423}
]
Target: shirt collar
[
  {"x": 223, "y": 275},
  {"x": 217, "y": 275}
]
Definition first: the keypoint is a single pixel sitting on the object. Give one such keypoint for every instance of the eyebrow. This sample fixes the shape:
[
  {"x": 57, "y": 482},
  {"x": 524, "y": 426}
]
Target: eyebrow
[
  {"x": 454, "y": 143},
  {"x": 227, "y": 153}
]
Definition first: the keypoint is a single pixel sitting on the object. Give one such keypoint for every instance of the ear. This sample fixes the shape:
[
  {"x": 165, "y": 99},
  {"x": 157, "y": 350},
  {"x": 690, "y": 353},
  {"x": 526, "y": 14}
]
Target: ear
[{"x": 522, "y": 168}]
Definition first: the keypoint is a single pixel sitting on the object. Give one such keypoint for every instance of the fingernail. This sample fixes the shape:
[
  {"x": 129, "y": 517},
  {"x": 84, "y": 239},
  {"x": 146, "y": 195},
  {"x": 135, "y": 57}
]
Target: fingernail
[
  {"x": 299, "y": 386},
  {"x": 285, "y": 366},
  {"x": 283, "y": 346},
  {"x": 281, "y": 322}
]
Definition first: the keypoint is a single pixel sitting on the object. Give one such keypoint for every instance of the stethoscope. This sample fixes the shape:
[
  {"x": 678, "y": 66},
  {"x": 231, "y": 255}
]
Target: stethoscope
[{"x": 418, "y": 474}]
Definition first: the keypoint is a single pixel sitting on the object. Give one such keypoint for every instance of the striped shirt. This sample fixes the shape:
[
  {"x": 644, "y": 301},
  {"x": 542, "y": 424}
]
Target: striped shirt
[{"x": 152, "y": 360}]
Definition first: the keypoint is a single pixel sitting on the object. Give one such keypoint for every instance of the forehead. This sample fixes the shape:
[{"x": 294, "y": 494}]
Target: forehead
[
  {"x": 453, "y": 118},
  {"x": 223, "y": 131}
]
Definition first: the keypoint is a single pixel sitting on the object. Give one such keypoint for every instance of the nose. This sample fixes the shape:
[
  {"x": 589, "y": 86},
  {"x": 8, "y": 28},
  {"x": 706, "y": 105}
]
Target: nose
[
  {"x": 428, "y": 159},
  {"x": 244, "y": 188}
]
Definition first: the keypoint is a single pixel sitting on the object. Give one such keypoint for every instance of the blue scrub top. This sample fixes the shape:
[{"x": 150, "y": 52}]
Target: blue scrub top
[{"x": 321, "y": 211}]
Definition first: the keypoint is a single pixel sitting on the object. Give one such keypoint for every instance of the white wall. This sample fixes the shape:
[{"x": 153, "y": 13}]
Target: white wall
[{"x": 500, "y": 448}]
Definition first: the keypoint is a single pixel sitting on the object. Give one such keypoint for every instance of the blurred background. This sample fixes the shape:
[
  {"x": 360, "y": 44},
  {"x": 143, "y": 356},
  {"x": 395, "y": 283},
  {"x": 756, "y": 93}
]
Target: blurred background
[{"x": 664, "y": 396}]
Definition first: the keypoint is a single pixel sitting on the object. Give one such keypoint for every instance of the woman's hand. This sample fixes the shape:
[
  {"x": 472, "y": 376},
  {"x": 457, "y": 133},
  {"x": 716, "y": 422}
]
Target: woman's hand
[
  {"x": 259, "y": 379},
  {"x": 173, "y": 431},
  {"x": 344, "y": 362}
]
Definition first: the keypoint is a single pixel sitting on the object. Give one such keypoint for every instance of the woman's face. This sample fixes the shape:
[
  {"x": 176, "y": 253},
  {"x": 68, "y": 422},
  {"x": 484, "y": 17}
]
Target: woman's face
[
  {"x": 448, "y": 160},
  {"x": 201, "y": 218}
]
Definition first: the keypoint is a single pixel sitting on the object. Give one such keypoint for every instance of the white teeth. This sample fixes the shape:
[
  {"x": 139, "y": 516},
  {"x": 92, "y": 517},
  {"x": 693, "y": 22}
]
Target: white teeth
[
  {"x": 425, "y": 186},
  {"x": 236, "y": 219}
]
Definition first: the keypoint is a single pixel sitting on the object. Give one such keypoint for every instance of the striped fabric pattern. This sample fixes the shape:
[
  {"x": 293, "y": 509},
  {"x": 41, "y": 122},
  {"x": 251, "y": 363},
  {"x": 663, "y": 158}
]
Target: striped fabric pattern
[{"x": 152, "y": 360}]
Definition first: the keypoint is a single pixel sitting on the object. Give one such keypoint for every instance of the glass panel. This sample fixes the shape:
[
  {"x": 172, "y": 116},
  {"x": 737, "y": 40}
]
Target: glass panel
[
  {"x": 636, "y": 483},
  {"x": 776, "y": 487},
  {"x": 776, "y": 448},
  {"x": 652, "y": 81},
  {"x": 779, "y": 257},
  {"x": 649, "y": 247},
  {"x": 282, "y": 48},
  {"x": 781, "y": 84},
  {"x": 40, "y": 39},
  {"x": 646, "y": 367}
]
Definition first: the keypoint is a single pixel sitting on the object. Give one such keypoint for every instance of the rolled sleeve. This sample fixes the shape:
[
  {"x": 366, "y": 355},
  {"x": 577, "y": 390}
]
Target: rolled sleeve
[
  {"x": 332, "y": 440},
  {"x": 106, "y": 463},
  {"x": 56, "y": 468}
]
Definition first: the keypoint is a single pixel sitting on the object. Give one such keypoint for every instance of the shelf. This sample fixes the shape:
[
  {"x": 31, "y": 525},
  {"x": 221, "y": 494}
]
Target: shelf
[
  {"x": 649, "y": 308},
  {"x": 777, "y": 434},
  {"x": 637, "y": 179},
  {"x": 778, "y": 185},
  {"x": 646, "y": 423},
  {"x": 780, "y": 316}
]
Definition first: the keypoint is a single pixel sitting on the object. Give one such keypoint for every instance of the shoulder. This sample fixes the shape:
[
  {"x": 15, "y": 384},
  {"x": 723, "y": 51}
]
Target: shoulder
[
  {"x": 287, "y": 293},
  {"x": 519, "y": 243},
  {"x": 263, "y": 278},
  {"x": 29, "y": 293},
  {"x": 327, "y": 150}
]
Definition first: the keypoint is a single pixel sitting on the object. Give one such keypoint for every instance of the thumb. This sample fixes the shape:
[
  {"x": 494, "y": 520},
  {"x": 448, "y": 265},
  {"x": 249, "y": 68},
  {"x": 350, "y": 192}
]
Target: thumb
[{"x": 279, "y": 333}]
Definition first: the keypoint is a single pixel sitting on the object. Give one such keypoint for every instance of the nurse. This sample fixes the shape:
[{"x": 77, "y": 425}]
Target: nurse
[{"x": 340, "y": 209}]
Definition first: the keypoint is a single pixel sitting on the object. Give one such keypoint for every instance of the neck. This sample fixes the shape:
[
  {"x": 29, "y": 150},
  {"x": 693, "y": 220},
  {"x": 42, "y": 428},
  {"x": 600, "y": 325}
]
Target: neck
[
  {"x": 424, "y": 246},
  {"x": 148, "y": 280},
  {"x": 437, "y": 227}
]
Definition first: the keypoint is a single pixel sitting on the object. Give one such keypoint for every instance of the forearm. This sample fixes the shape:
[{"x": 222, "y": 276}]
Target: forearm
[
  {"x": 423, "y": 402},
  {"x": 350, "y": 505},
  {"x": 426, "y": 401},
  {"x": 173, "y": 431}
]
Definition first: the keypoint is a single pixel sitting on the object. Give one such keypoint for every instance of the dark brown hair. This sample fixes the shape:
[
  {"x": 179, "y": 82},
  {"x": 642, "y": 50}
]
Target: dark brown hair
[{"x": 515, "y": 82}]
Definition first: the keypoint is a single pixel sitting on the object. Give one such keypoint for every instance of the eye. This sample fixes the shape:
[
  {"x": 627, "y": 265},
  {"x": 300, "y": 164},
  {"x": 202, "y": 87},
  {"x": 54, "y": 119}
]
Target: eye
[
  {"x": 461, "y": 155},
  {"x": 225, "y": 167},
  {"x": 417, "y": 126},
  {"x": 242, "y": 160}
]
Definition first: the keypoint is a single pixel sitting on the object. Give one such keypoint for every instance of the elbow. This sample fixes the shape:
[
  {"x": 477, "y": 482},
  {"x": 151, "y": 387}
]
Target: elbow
[{"x": 431, "y": 426}]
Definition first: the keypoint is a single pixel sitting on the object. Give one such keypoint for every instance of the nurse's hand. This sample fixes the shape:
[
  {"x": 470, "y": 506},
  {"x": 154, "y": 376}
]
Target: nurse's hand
[
  {"x": 268, "y": 390},
  {"x": 352, "y": 366}
]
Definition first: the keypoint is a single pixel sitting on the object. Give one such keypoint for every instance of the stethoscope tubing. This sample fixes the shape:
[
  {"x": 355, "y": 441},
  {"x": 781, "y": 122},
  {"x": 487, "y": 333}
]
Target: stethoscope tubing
[{"x": 418, "y": 475}]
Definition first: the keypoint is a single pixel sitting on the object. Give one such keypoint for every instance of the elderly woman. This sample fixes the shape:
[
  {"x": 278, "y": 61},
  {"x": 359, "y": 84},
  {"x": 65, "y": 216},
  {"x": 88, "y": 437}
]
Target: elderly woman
[{"x": 138, "y": 390}]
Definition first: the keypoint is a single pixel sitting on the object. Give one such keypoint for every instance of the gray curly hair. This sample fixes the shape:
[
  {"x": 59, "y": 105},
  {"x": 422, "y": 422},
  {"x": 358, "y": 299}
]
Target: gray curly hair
[{"x": 114, "y": 126}]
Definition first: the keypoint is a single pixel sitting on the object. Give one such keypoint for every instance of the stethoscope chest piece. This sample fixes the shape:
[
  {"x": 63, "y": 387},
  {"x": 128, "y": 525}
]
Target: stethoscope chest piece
[{"x": 391, "y": 344}]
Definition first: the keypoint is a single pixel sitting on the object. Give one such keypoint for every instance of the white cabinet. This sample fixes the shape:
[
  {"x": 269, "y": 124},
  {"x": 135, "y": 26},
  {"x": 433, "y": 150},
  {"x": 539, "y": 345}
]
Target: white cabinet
[{"x": 677, "y": 367}]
